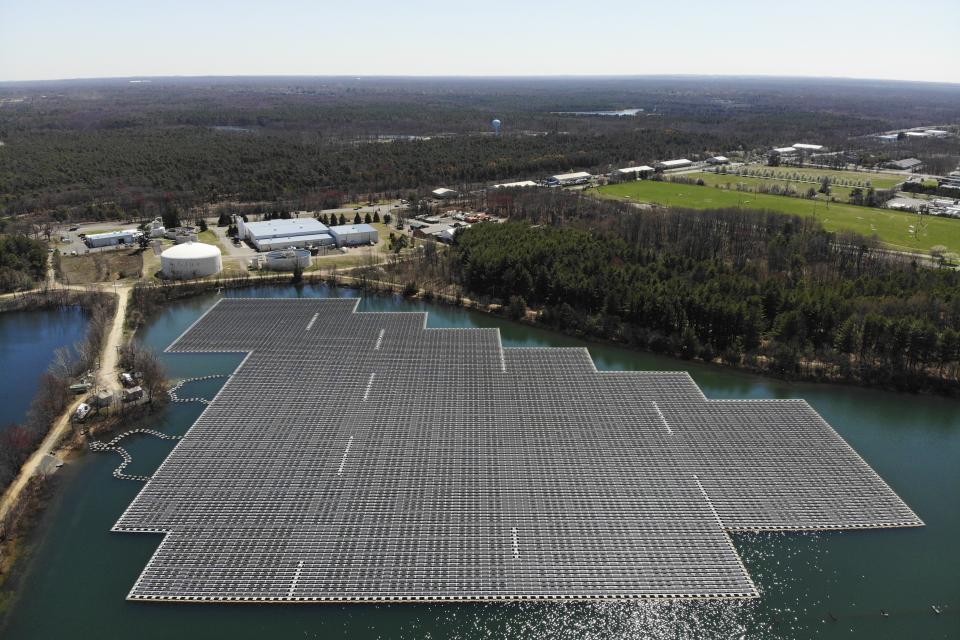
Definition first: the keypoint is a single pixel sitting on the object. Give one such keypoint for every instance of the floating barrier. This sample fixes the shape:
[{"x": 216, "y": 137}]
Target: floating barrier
[
  {"x": 127, "y": 458},
  {"x": 175, "y": 388}
]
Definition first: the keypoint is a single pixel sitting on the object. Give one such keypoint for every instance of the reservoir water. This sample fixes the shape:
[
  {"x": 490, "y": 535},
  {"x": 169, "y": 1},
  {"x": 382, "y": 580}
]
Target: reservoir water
[
  {"x": 27, "y": 342},
  {"x": 828, "y": 585}
]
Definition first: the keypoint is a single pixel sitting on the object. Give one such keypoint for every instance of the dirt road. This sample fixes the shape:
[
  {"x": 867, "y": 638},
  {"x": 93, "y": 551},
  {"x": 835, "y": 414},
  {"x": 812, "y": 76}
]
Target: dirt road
[{"x": 107, "y": 377}]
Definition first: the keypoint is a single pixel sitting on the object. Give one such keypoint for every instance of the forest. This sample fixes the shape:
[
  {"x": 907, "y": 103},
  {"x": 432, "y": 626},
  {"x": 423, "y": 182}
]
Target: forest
[
  {"x": 23, "y": 262},
  {"x": 758, "y": 290},
  {"x": 109, "y": 148}
]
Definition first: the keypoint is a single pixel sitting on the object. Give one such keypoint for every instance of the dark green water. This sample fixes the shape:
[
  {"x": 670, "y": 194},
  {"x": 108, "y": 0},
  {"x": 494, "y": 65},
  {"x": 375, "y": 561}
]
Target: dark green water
[
  {"x": 814, "y": 585},
  {"x": 27, "y": 342}
]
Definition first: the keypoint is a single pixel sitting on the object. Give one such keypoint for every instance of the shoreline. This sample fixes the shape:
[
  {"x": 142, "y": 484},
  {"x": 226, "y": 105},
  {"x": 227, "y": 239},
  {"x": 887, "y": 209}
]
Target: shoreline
[{"x": 28, "y": 511}]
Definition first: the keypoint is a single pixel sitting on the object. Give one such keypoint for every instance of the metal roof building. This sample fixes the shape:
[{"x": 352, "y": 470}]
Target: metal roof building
[
  {"x": 808, "y": 147},
  {"x": 907, "y": 164},
  {"x": 443, "y": 193},
  {"x": 673, "y": 164},
  {"x": 514, "y": 185},
  {"x": 577, "y": 177},
  {"x": 284, "y": 234},
  {"x": 354, "y": 234},
  {"x": 636, "y": 170},
  {"x": 111, "y": 238}
]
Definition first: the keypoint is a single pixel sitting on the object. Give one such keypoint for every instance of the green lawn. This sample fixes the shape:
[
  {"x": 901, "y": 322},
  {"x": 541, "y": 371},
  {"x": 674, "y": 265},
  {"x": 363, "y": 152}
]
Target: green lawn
[
  {"x": 730, "y": 181},
  {"x": 893, "y": 228},
  {"x": 856, "y": 178}
]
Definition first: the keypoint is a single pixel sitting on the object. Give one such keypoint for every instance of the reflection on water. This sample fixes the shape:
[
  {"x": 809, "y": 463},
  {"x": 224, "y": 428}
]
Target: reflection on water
[{"x": 827, "y": 585}]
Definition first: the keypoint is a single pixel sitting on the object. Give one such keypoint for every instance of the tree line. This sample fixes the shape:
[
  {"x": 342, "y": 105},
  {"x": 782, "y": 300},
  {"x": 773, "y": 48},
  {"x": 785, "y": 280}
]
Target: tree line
[
  {"x": 23, "y": 262},
  {"x": 755, "y": 289}
]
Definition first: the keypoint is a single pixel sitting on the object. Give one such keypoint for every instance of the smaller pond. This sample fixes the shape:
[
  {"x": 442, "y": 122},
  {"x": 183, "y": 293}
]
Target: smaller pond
[{"x": 27, "y": 342}]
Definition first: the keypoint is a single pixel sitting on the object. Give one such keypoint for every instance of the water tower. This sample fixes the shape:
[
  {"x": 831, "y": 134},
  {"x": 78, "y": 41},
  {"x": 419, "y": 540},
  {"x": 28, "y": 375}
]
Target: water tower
[{"x": 496, "y": 124}]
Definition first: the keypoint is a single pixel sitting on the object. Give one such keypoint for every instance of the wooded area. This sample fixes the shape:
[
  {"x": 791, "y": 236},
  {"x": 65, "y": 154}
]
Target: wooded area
[
  {"x": 23, "y": 262},
  {"x": 109, "y": 149},
  {"x": 759, "y": 290}
]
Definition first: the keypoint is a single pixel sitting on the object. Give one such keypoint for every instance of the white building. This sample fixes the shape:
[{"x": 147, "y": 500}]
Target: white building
[
  {"x": 112, "y": 238},
  {"x": 783, "y": 151},
  {"x": 808, "y": 147},
  {"x": 190, "y": 260},
  {"x": 667, "y": 165},
  {"x": 633, "y": 173},
  {"x": 917, "y": 134},
  {"x": 444, "y": 194},
  {"x": 937, "y": 133},
  {"x": 515, "y": 185},
  {"x": 907, "y": 164},
  {"x": 566, "y": 179},
  {"x": 718, "y": 160},
  {"x": 155, "y": 229},
  {"x": 285, "y": 234},
  {"x": 287, "y": 259},
  {"x": 349, "y": 235}
]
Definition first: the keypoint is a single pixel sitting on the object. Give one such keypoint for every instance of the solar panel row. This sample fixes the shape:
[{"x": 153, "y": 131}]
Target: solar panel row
[{"x": 361, "y": 456}]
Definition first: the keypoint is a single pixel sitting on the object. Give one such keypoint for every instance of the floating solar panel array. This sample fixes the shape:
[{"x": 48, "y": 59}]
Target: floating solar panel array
[{"x": 363, "y": 457}]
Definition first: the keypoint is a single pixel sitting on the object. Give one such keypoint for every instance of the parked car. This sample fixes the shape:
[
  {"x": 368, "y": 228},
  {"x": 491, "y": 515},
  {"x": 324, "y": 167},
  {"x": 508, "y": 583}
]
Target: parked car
[{"x": 83, "y": 410}]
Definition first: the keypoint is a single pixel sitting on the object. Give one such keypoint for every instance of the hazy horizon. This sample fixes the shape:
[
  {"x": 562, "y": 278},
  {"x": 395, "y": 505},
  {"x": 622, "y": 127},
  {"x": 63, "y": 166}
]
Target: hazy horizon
[
  {"x": 338, "y": 76},
  {"x": 51, "y": 40}
]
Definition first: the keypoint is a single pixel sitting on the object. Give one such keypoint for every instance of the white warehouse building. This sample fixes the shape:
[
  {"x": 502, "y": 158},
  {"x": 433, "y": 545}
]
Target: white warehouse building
[
  {"x": 349, "y": 235},
  {"x": 294, "y": 233},
  {"x": 666, "y": 165},
  {"x": 95, "y": 240},
  {"x": 190, "y": 260},
  {"x": 566, "y": 179},
  {"x": 633, "y": 173}
]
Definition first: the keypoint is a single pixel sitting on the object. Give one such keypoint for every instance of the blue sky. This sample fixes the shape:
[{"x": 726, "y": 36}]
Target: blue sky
[{"x": 47, "y": 39}]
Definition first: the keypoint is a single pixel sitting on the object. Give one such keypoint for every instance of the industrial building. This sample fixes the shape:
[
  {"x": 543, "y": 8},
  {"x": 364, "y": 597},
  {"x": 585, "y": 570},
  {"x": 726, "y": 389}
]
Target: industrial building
[
  {"x": 515, "y": 185},
  {"x": 287, "y": 259},
  {"x": 633, "y": 173},
  {"x": 350, "y": 235},
  {"x": 907, "y": 164},
  {"x": 364, "y": 457},
  {"x": 155, "y": 229},
  {"x": 718, "y": 160},
  {"x": 569, "y": 179},
  {"x": 112, "y": 238},
  {"x": 181, "y": 234},
  {"x": 783, "y": 151},
  {"x": 667, "y": 165},
  {"x": 297, "y": 233},
  {"x": 809, "y": 147},
  {"x": 190, "y": 260},
  {"x": 444, "y": 194}
]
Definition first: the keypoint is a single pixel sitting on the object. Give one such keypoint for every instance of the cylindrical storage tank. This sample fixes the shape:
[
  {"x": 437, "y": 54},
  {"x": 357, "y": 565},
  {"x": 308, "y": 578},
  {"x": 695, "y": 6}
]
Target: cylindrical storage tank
[
  {"x": 190, "y": 260},
  {"x": 184, "y": 237},
  {"x": 287, "y": 259}
]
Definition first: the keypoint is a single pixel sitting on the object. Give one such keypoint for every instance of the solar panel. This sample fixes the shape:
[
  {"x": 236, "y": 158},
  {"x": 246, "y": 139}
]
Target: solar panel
[{"x": 363, "y": 457}]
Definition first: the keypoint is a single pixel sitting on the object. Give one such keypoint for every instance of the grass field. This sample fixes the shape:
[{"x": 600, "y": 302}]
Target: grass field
[
  {"x": 730, "y": 181},
  {"x": 104, "y": 266},
  {"x": 856, "y": 178},
  {"x": 893, "y": 228}
]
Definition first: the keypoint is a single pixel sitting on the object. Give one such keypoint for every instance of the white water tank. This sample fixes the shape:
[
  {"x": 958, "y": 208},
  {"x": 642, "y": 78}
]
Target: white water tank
[
  {"x": 190, "y": 260},
  {"x": 288, "y": 259}
]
